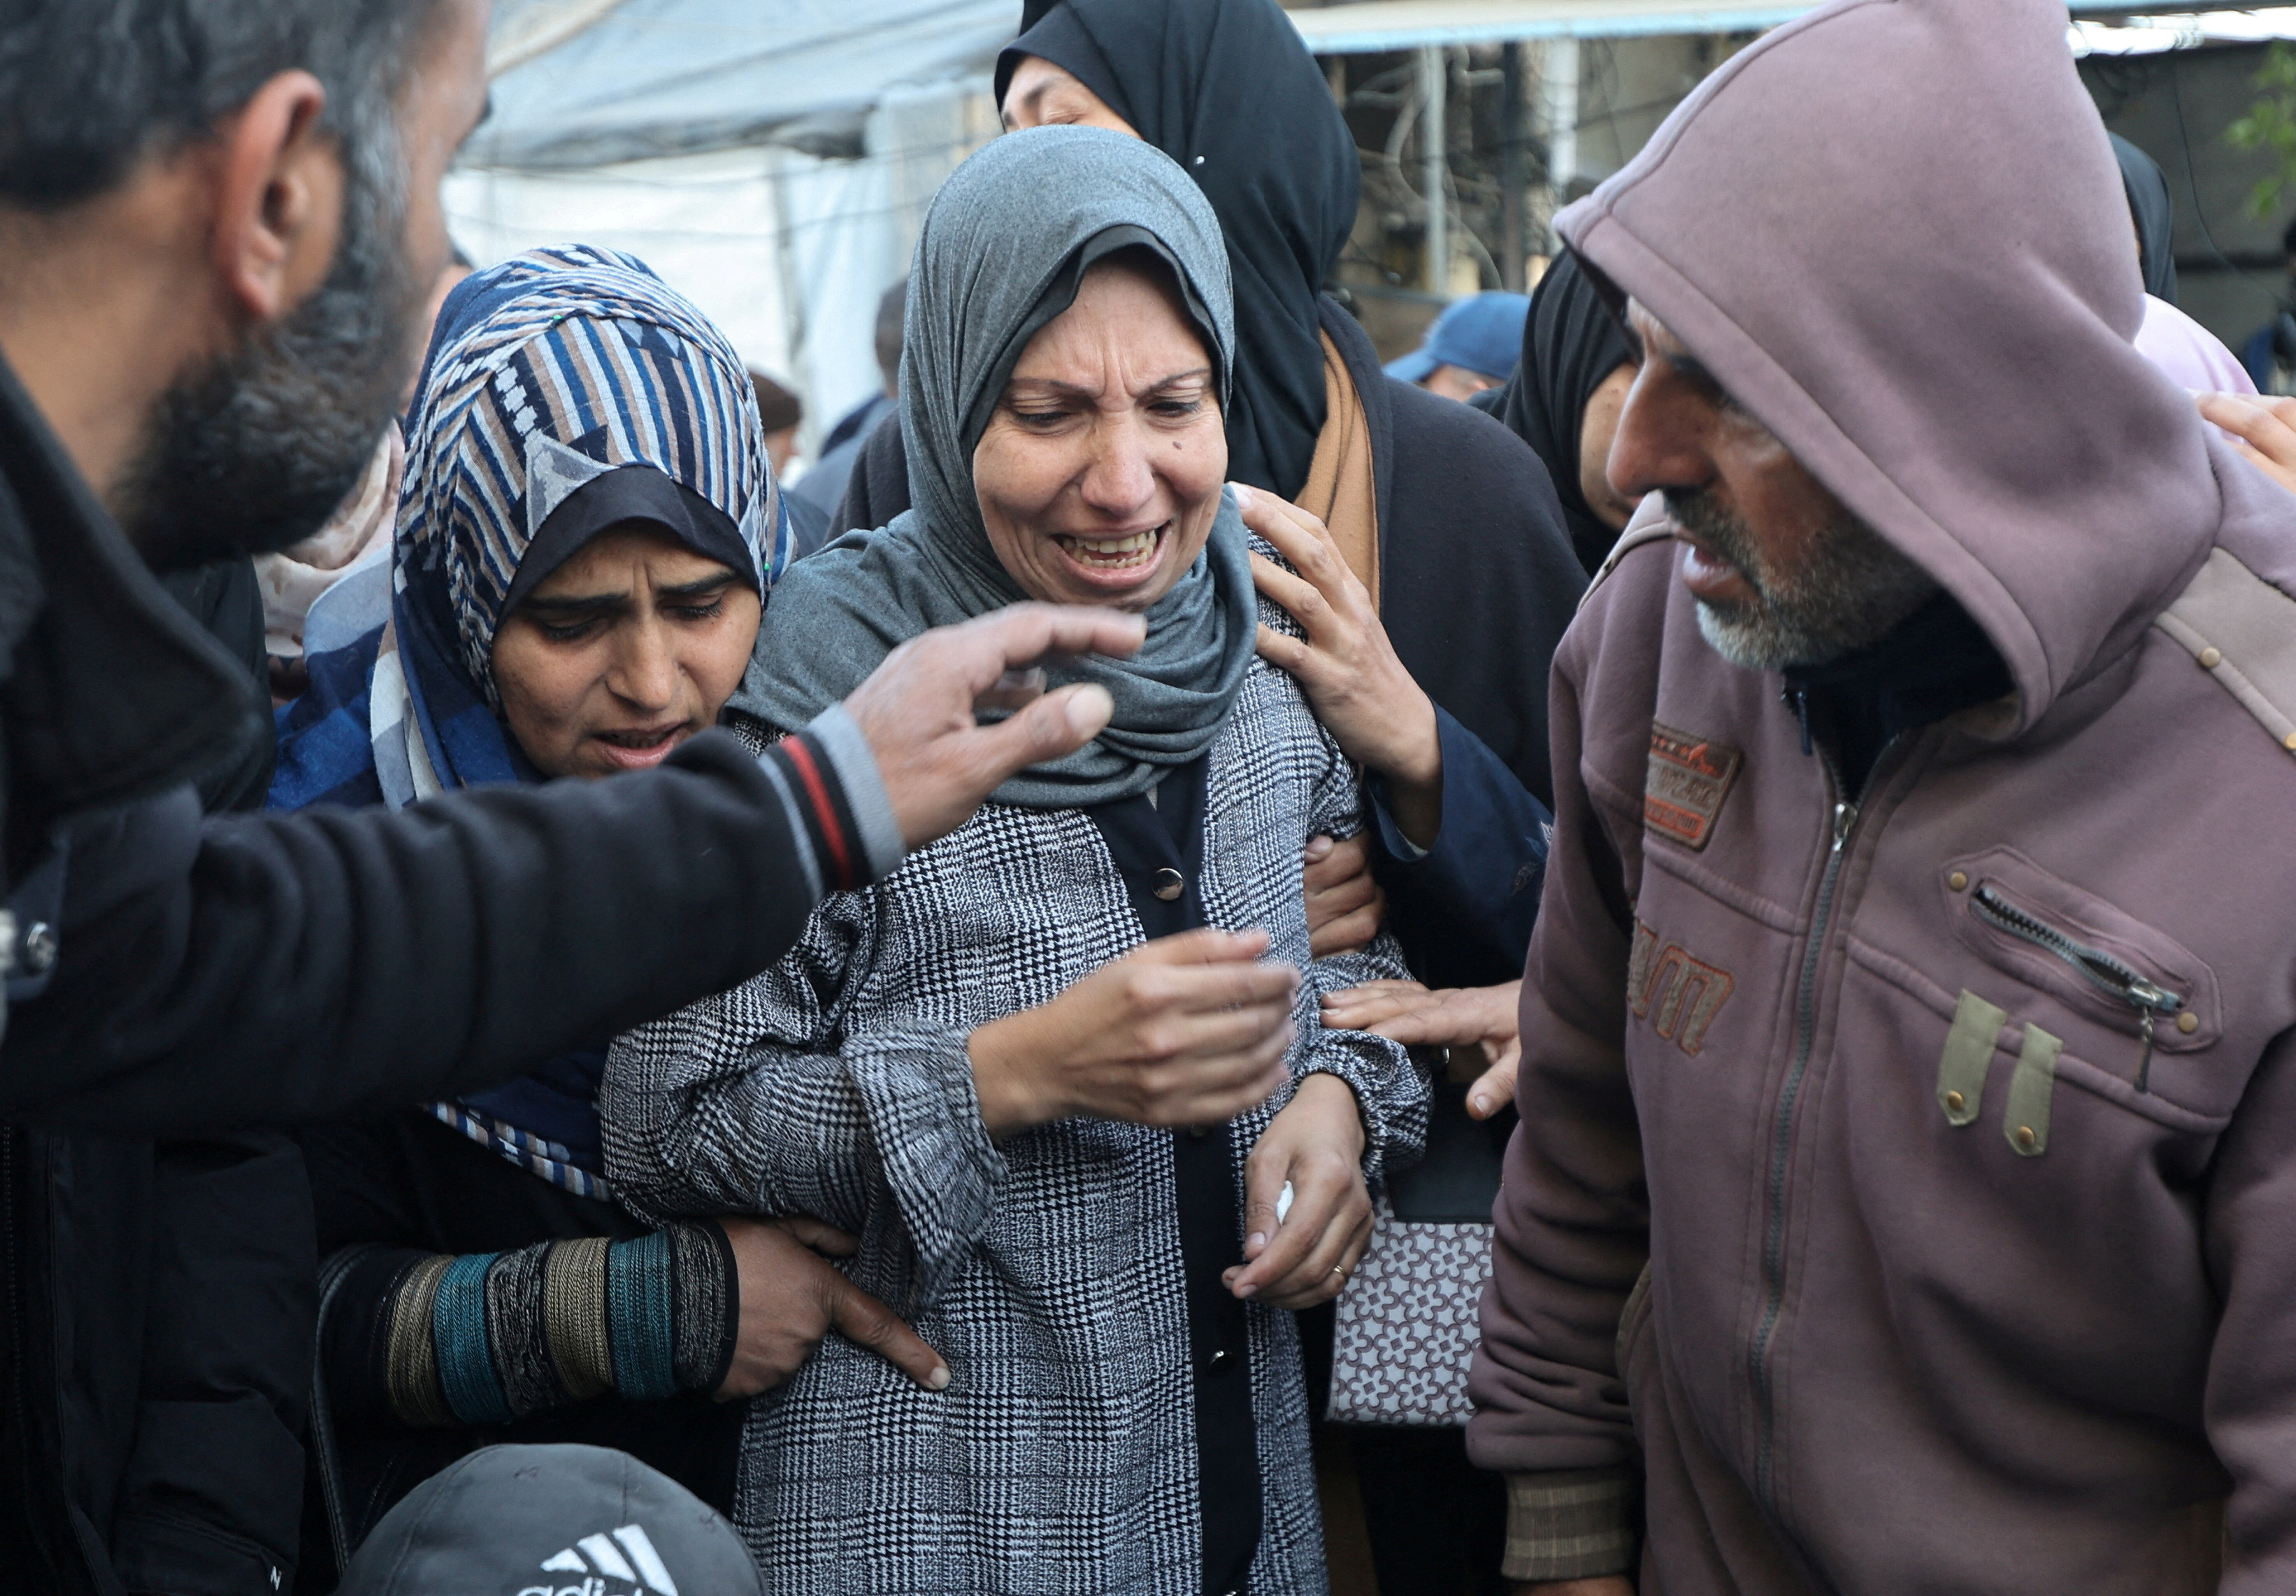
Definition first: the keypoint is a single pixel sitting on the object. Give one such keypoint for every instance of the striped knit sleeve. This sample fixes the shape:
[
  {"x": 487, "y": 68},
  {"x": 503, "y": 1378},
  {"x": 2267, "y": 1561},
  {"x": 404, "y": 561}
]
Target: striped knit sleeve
[
  {"x": 485, "y": 1339},
  {"x": 839, "y": 811},
  {"x": 1570, "y": 1525}
]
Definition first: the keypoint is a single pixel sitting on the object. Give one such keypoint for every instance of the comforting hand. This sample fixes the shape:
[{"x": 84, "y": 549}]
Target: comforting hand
[
  {"x": 2266, "y": 427},
  {"x": 791, "y": 1297},
  {"x": 1346, "y": 666},
  {"x": 1407, "y": 1012},
  {"x": 918, "y": 708},
  {"x": 1344, "y": 903},
  {"x": 1316, "y": 1143},
  {"x": 1189, "y": 1029}
]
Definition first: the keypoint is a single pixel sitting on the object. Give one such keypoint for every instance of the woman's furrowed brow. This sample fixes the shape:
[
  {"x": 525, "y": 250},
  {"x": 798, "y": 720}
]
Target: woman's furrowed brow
[
  {"x": 1054, "y": 386},
  {"x": 1201, "y": 373},
  {"x": 591, "y": 602},
  {"x": 574, "y": 603}
]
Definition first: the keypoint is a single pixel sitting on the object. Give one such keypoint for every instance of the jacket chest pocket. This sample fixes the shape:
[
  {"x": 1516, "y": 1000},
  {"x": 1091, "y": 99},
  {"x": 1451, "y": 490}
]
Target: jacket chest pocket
[{"x": 2117, "y": 1000}]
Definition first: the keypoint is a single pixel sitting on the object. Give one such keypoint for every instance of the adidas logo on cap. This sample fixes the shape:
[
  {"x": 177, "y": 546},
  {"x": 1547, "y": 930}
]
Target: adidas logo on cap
[{"x": 620, "y": 1562}]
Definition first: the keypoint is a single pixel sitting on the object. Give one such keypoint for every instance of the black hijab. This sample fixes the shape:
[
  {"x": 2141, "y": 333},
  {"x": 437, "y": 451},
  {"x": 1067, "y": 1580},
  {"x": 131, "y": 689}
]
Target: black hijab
[
  {"x": 1570, "y": 343},
  {"x": 2156, "y": 217},
  {"x": 1226, "y": 88}
]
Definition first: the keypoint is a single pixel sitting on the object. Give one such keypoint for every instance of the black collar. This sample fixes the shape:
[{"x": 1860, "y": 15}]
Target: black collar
[
  {"x": 108, "y": 691},
  {"x": 1935, "y": 662}
]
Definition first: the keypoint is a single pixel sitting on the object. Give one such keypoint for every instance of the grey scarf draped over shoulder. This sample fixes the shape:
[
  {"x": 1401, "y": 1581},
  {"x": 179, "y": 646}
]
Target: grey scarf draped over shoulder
[{"x": 1004, "y": 248}]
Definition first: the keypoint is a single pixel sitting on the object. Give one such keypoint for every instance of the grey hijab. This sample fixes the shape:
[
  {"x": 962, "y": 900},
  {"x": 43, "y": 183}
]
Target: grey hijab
[{"x": 1004, "y": 248}]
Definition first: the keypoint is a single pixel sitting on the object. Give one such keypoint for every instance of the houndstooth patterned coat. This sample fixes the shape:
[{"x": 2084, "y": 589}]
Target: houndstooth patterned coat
[{"x": 1062, "y": 1457}]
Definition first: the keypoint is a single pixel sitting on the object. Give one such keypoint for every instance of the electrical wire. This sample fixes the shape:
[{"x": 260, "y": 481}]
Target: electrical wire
[{"x": 2279, "y": 300}]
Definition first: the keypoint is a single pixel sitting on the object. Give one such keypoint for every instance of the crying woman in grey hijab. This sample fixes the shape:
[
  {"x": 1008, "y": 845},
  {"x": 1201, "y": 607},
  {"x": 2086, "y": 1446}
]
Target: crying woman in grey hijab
[{"x": 1063, "y": 1072}]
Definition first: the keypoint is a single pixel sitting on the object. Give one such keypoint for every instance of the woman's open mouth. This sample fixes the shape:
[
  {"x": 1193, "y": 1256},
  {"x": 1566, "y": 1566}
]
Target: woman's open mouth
[
  {"x": 637, "y": 748},
  {"x": 1122, "y": 555}
]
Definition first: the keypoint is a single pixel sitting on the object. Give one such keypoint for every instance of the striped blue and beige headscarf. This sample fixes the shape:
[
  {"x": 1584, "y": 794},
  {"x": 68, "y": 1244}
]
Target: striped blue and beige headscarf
[{"x": 566, "y": 390}]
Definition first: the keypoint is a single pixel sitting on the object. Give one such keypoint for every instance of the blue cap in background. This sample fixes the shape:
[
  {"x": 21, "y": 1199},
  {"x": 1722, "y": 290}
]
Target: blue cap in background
[{"x": 1482, "y": 334}]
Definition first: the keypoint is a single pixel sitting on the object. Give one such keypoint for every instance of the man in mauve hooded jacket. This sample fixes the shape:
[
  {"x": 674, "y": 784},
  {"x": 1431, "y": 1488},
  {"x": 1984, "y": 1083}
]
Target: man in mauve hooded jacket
[{"x": 1905, "y": 1199}]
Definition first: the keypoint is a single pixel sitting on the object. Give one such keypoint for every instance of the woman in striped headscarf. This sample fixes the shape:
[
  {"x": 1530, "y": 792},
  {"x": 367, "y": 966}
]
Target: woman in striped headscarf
[{"x": 587, "y": 532}]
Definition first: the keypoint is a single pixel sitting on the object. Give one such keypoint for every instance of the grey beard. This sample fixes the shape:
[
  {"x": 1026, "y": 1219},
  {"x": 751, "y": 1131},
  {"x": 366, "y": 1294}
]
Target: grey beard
[
  {"x": 1851, "y": 593},
  {"x": 255, "y": 449}
]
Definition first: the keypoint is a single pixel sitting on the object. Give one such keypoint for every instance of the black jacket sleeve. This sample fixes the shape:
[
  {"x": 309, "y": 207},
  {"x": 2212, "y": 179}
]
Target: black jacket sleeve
[
  {"x": 1463, "y": 909},
  {"x": 1479, "y": 580},
  {"x": 279, "y": 968}
]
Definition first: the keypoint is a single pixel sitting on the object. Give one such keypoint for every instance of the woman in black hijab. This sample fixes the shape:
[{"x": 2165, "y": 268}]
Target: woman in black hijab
[
  {"x": 1564, "y": 401},
  {"x": 1228, "y": 92},
  {"x": 2155, "y": 216}
]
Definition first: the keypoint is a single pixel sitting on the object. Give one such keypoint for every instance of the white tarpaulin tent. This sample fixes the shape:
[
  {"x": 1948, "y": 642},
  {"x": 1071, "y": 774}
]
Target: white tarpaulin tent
[
  {"x": 773, "y": 158},
  {"x": 769, "y": 158}
]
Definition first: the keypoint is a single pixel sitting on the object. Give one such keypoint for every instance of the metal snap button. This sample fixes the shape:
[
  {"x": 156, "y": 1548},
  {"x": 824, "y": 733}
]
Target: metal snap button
[
  {"x": 1958, "y": 881},
  {"x": 2188, "y": 1022},
  {"x": 1168, "y": 884},
  {"x": 2211, "y": 659},
  {"x": 2025, "y": 1137},
  {"x": 37, "y": 953},
  {"x": 1955, "y": 1101}
]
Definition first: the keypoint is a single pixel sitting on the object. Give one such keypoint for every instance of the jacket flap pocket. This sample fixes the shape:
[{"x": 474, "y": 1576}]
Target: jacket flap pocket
[{"x": 2100, "y": 961}]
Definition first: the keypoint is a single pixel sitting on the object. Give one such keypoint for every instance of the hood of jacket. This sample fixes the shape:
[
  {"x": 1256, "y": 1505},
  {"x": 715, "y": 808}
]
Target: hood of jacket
[{"x": 1896, "y": 232}]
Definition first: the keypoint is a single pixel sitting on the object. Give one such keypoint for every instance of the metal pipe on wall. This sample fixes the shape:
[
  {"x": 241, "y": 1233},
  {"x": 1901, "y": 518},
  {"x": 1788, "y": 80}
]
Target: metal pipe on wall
[
  {"x": 1513, "y": 245},
  {"x": 1434, "y": 92},
  {"x": 1559, "y": 111}
]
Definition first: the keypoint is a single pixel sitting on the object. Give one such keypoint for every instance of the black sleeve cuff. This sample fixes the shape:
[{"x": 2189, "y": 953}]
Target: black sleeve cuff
[{"x": 709, "y": 1298}]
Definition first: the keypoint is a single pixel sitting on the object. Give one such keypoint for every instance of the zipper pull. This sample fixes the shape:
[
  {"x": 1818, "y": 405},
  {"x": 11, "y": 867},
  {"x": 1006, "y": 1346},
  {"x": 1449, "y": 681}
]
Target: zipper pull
[
  {"x": 1845, "y": 815},
  {"x": 2151, "y": 1002}
]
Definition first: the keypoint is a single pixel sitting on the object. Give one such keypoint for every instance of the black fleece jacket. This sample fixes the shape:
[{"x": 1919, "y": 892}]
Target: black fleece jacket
[{"x": 172, "y": 975}]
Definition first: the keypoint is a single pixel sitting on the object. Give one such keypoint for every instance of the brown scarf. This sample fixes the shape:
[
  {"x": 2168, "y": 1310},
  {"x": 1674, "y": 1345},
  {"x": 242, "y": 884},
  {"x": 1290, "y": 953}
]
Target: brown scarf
[{"x": 1339, "y": 488}]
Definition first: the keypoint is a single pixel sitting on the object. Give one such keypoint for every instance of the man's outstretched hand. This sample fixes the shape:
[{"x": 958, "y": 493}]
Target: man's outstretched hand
[{"x": 918, "y": 708}]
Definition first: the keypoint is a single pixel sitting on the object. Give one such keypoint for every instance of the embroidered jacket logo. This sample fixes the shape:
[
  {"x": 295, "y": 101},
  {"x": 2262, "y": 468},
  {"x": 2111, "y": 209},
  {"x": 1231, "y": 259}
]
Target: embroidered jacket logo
[
  {"x": 619, "y": 1562},
  {"x": 1679, "y": 995},
  {"x": 1689, "y": 777}
]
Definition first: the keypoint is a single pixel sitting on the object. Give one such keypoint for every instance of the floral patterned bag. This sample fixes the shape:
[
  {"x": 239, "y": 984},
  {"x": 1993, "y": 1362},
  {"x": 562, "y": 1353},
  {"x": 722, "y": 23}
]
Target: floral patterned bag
[
  {"x": 1406, "y": 1325},
  {"x": 1406, "y": 1330}
]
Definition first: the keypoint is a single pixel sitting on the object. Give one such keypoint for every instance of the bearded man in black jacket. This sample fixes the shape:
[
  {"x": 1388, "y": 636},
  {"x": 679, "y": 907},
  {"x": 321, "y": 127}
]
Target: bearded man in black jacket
[{"x": 216, "y": 218}]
